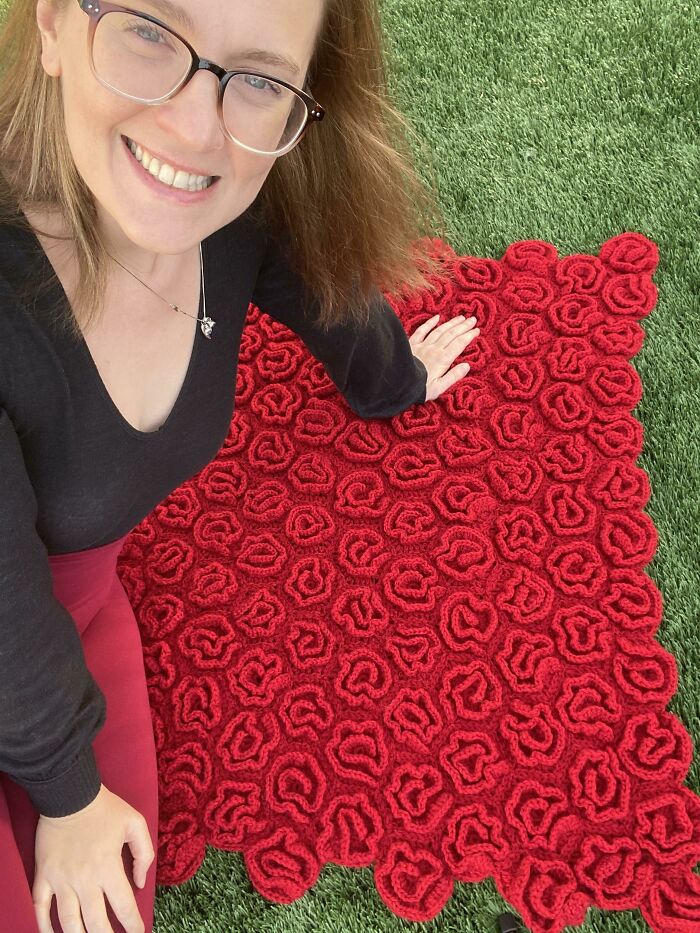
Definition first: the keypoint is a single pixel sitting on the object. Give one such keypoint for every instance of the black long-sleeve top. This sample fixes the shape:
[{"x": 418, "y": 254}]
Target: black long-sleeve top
[{"x": 74, "y": 474}]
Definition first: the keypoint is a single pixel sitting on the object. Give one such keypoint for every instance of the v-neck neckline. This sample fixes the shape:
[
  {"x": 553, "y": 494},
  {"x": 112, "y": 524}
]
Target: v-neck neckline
[{"x": 84, "y": 350}]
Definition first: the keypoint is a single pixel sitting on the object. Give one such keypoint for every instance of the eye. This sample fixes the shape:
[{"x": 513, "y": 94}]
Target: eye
[
  {"x": 274, "y": 88},
  {"x": 141, "y": 28}
]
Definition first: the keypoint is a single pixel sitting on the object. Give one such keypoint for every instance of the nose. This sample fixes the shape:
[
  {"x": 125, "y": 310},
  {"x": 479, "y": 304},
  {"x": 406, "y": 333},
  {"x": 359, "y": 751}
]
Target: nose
[{"x": 192, "y": 114}]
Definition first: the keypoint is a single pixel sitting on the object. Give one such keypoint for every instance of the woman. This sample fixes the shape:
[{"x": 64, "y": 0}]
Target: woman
[{"x": 130, "y": 191}]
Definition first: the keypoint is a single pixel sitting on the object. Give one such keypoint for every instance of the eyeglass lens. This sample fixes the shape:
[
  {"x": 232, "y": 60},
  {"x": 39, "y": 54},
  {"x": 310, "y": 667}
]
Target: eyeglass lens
[{"x": 136, "y": 57}]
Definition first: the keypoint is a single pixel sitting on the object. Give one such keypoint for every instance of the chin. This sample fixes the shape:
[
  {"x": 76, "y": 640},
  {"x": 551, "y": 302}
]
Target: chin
[{"x": 164, "y": 237}]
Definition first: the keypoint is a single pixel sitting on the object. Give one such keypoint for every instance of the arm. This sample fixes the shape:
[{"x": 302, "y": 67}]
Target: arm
[
  {"x": 50, "y": 706},
  {"x": 374, "y": 369}
]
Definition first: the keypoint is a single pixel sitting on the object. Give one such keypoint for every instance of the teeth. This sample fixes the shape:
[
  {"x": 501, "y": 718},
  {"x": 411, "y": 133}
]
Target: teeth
[{"x": 167, "y": 174}]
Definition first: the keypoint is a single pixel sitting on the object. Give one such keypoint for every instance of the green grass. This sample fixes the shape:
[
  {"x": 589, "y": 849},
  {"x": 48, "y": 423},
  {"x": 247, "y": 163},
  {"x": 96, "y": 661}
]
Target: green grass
[{"x": 569, "y": 123}]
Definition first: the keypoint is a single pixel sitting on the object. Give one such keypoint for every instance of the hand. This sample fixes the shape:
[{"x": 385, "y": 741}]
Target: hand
[
  {"x": 79, "y": 859},
  {"x": 437, "y": 349}
]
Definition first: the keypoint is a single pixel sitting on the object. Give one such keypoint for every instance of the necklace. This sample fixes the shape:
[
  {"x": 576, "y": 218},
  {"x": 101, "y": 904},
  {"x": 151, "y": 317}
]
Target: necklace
[{"x": 206, "y": 324}]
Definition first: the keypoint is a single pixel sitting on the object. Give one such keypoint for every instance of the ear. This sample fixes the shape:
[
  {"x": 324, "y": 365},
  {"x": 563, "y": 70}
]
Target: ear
[{"x": 46, "y": 18}]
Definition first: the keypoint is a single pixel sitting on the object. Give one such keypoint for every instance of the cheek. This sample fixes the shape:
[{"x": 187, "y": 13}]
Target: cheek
[
  {"x": 247, "y": 173},
  {"x": 260, "y": 168},
  {"x": 90, "y": 109},
  {"x": 93, "y": 115},
  {"x": 259, "y": 178},
  {"x": 246, "y": 178}
]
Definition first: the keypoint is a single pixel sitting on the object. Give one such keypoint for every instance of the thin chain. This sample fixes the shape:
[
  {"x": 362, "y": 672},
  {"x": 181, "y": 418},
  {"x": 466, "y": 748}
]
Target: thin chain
[{"x": 174, "y": 307}]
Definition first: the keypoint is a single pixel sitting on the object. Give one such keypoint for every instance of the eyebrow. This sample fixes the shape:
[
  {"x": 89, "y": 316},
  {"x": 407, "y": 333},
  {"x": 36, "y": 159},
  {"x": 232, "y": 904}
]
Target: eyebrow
[{"x": 178, "y": 14}]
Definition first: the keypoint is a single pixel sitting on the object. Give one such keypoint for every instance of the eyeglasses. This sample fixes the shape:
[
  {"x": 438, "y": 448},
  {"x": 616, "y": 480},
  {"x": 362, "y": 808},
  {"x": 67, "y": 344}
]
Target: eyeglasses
[{"x": 143, "y": 59}]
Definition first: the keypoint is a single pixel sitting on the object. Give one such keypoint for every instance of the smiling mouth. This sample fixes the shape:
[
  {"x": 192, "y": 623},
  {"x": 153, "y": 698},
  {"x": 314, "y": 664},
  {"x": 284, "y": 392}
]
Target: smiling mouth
[{"x": 167, "y": 174}]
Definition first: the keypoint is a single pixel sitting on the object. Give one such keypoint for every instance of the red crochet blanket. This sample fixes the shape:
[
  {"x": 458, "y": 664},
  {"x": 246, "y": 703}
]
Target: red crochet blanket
[{"x": 427, "y": 643}]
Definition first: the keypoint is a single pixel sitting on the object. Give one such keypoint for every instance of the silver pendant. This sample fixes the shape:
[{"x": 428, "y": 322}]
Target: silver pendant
[{"x": 207, "y": 326}]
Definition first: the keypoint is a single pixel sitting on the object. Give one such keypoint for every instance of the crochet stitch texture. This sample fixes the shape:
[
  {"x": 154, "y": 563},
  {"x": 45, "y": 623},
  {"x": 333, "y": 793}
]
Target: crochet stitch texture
[{"x": 427, "y": 643}]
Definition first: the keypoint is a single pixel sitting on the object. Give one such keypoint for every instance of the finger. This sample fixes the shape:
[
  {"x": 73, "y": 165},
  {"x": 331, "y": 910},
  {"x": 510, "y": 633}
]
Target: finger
[
  {"x": 451, "y": 376},
  {"x": 120, "y": 895},
  {"x": 141, "y": 847},
  {"x": 461, "y": 336},
  {"x": 442, "y": 335},
  {"x": 458, "y": 320},
  {"x": 468, "y": 322},
  {"x": 69, "y": 911},
  {"x": 42, "y": 895},
  {"x": 92, "y": 904},
  {"x": 426, "y": 326},
  {"x": 447, "y": 327}
]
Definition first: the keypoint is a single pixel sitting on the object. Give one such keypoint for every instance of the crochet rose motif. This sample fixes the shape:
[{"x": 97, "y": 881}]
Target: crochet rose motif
[{"x": 427, "y": 644}]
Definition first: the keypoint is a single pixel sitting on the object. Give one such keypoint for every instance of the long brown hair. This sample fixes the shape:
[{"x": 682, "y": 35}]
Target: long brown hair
[{"x": 365, "y": 226}]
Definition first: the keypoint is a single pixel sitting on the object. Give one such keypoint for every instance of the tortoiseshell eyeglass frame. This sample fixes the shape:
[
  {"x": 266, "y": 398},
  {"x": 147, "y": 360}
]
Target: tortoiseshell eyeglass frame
[{"x": 96, "y": 9}]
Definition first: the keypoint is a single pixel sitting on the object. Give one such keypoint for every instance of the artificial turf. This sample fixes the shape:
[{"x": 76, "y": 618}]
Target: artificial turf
[{"x": 568, "y": 123}]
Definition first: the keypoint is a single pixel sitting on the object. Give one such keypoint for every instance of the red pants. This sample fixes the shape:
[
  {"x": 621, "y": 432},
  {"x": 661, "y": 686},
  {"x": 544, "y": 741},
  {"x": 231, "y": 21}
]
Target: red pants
[{"x": 86, "y": 583}]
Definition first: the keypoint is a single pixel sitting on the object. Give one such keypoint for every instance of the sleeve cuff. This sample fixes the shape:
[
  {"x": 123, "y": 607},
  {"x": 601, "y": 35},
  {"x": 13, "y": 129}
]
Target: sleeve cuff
[
  {"x": 68, "y": 793},
  {"x": 423, "y": 379},
  {"x": 414, "y": 394}
]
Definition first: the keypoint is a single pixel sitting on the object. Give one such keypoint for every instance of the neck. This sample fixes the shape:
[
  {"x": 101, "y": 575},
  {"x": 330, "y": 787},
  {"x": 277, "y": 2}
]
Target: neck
[{"x": 152, "y": 266}]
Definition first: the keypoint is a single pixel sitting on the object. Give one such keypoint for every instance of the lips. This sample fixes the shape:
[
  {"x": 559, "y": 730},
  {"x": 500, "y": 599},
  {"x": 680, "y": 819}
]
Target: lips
[
  {"x": 166, "y": 192},
  {"x": 127, "y": 140}
]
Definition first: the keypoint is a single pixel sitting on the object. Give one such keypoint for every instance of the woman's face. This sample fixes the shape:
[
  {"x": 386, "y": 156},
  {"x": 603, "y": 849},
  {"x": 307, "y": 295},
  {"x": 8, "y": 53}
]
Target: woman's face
[{"x": 185, "y": 130}]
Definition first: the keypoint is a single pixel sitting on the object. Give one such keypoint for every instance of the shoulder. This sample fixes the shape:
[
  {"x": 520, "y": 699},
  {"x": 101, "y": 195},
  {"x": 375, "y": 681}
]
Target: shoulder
[
  {"x": 17, "y": 265},
  {"x": 12, "y": 240},
  {"x": 15, "y": 251},
  {"x": 23, "y": 286},
  {"x": 8, "y": 265}
]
